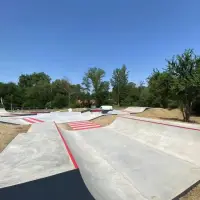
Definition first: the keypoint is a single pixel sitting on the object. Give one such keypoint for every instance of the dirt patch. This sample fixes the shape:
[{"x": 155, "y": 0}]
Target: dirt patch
[
  {"x": 193, "y": 194},
  {"x": 104, "y": 120},
  {"x": 8, "y": 132},
  {"x": 64, "y": 126},
  {"x": 160, "y": 113}
]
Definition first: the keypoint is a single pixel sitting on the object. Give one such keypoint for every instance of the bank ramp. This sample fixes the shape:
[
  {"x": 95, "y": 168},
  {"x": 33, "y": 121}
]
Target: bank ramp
[
  {"x": 135, "y": 110},
  {"x": 136, "y": 159}
]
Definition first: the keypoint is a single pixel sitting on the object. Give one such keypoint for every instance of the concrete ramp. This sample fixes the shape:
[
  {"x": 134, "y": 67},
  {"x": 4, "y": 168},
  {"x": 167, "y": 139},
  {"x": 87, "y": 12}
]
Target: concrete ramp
[
  {"x": 33, "y": 155},
  {"x": 3, "y": 111},
  {"x": 58, "y": 117},
  {"x": 136, "y": 109},
  {"x": 115, "y": 166},
  {"x": 177, "y": 139},
  {"x": 12, "y": 120}
]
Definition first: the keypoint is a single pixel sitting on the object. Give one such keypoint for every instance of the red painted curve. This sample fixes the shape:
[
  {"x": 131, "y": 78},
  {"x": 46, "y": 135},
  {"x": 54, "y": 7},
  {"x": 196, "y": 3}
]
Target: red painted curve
[
  {"x": 67, "y": 148},
  {"x": 38, "y": 120},
  {"x": 30, "y": 121},
  {"x": 161, "y": 123}
]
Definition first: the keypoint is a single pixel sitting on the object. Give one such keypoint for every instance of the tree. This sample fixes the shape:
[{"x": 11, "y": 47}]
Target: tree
[
  {"x": 59, "y": 101},
  {"x": 11, "y": 95},
  {"x": 159, "y": 88},
  {"x": 38, "y": 95},
  {"x": 70, "y": 89},
  {"x": 93, "y": 82},
  {"x": 185, "y": 83},
  {"x": 26, "y": 80},
  {"x": 144, "y": 99},
  {"x": 119, "y": 82}
]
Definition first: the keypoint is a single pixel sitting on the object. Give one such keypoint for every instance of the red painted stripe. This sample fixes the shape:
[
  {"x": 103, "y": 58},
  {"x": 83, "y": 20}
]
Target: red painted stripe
[
  {"x": 89, "y": 123},
  {"x": 83, "y": 128},
  {"x": 94, "y": 125},
  {"x": 37, "y": 120},
  {"x": 161, "y": 123},
  {"x": 67, "y": 148},
  {"x": 75, "y": 122},
  {"x": 28, "y": 120},
  {"x": 80, "y": 125}
]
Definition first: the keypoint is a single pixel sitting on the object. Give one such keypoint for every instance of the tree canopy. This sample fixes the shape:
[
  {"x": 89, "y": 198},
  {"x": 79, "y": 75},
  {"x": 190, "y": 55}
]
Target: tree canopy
[{"x": 176, "y": 86}]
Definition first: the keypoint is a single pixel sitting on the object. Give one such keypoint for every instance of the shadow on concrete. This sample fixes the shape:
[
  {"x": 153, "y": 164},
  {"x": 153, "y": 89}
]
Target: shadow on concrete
[{"x": 68, "y": 185}]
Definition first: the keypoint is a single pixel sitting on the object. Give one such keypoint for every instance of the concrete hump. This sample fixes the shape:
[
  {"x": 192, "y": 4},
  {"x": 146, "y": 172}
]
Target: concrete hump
[{"x": 136, "y": 109}]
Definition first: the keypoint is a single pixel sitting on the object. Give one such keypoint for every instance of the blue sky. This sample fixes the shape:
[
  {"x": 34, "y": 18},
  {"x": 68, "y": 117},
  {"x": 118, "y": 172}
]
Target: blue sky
[{"x": 66, "y": 37}]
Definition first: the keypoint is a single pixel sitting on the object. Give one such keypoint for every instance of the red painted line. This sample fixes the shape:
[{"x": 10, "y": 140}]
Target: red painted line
[
  {"x": 67, "y": 148},
  {"x": 37, "y": 120},
  {"x": 83, "y": 128},
  {"x": 77, "y": 122},
  {"x": 161, "y": 123},
  {"x": 93, "y": 125},
  {"x": 28, "y": 120},
  {"x": 81, "y": 125}
]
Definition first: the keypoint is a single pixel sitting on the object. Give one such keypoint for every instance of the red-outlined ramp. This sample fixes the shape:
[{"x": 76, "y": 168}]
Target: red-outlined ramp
[
  {"x": 32, "y": 120},
  {"x": 67, "y": 148},
  {"x": 81, "y": 125}
]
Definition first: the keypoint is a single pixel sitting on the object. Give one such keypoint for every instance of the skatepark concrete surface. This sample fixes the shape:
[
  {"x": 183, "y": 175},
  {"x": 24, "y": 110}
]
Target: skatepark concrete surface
[
  {"x": 136, "y": 109},
  {"x": 178, "y": 139},
  {"x": 132, "y": 159},
  {"x": 33, "y": 155},
  {"x": 58, "y": 117},
  {"x": 3, "y": 112},
  {"x": 13, "y": 120}
]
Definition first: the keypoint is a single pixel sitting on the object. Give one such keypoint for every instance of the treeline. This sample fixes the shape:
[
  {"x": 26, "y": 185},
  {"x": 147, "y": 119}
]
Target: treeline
[{"x": 177, "y": 86}]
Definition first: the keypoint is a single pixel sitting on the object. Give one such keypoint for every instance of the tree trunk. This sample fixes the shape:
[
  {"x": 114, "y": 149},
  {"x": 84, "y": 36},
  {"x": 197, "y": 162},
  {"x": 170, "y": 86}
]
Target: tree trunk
[{"x": 186, "y": 111}]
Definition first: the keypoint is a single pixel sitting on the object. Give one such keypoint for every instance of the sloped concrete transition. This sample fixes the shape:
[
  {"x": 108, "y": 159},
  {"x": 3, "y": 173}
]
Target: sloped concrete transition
[
  {"x": 132, "y": 158},
  {"x": 137, "y": 159}
]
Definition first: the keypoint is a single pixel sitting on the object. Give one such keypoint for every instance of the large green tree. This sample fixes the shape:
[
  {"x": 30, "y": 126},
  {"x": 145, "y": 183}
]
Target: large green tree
[
  {"x": 29, "y": 80},
  {"x": 119, "y": 82},
  {"x": 159, "y": 88},
  {"x": 93, "y": 82},
  {"x": 11, "y": 94},
  {"x": 185, "y": 83}
]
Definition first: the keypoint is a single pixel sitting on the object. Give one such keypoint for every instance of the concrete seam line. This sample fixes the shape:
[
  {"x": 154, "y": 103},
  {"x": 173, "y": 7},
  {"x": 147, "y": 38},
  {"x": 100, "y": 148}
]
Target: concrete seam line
[
  {"x": 177, "y": 126},
  {"x": 67, "y": 148}
]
